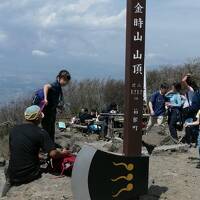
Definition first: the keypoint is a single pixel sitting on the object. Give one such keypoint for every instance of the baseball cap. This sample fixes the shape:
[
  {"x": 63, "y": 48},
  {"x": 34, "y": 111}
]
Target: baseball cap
[{"x": 32, "y": 113}]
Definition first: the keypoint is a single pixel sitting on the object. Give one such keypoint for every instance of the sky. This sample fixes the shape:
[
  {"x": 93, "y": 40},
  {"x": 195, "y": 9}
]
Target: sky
[{"x": 40, "y": 37}]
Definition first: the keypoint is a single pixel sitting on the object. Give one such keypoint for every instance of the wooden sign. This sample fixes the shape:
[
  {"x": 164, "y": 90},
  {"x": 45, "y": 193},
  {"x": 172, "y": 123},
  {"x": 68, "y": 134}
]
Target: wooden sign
[{"x": 134, "y": 80}]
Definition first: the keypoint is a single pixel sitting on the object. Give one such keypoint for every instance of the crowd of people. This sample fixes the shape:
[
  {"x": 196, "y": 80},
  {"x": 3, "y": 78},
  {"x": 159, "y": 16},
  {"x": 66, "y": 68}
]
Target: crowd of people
[
  {"x": 28, "y": 140},
  {"x": 97, "y": 122},
  {"x": 180, "y": 104}
]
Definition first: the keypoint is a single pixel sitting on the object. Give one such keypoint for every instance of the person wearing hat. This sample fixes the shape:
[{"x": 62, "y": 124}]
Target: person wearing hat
[{"x": 25, "y": 142}]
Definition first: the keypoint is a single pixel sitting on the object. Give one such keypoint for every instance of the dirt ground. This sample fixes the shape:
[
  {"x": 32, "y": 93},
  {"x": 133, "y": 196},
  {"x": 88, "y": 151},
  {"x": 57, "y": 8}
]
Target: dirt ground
[{"x": 173, "y": 176}]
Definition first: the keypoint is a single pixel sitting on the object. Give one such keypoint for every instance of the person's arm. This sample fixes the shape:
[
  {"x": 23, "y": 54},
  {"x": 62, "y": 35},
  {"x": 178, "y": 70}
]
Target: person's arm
[
  {"x": 48, "y": 146},
  {"x": 151, "y": 102},
  {"x": 196, "y": 123},
  {"x": 61, "y": 105},
  {"x": 151, "y": 108},
  {"x": 46, "y": 90},
  {"x": 184, "y": 81},
  {"x": 56, "y": 154}
]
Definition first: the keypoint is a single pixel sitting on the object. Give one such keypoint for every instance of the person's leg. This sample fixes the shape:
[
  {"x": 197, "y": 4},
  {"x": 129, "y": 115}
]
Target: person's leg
[
  {"x": 188, "y": 135},
  {"x": 53, "y": 125},
  {"x": 7, "y": 184},
  {"x": 151, "y": 123},
  {"x": 198, "y": 143},
  {"x": 48, "y": 122},
  {"x": 195, "y": 134},
  {"x": 172, "y": 124}
]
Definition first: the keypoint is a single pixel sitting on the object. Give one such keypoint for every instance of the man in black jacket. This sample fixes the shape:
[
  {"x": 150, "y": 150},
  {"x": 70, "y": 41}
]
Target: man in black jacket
[{"x": 25, "y": 142}]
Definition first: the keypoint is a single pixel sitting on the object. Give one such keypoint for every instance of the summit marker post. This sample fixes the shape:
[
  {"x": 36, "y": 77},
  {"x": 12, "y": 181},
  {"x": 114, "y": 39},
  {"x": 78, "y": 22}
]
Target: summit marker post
[{"x": 134, "y": 76}]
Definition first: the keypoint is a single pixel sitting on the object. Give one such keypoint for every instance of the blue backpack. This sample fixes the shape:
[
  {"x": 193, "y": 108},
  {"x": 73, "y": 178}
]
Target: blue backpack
[{"x": 38, "y": 98}]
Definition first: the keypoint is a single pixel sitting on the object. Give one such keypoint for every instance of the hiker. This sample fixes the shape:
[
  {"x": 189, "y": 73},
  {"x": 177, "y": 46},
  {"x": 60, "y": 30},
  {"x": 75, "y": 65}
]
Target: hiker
[
  {"x": 195, "y": 102},
  {"x": 93, "y": 113},
  {"x": 51, "y": 98},
  {"x": 174, "y": 104},
  {"x": 196, "y": 123},
  {"x": 25, "y": 142},
  {"x": 81, "y": 112},
  {"x": 190, "y": 132},
  {"x": 85, "y": 116},
  {"x": 108, "y": 120},
  {"x": 191, "y": 111},
  {"x": 157, "y": 107}
]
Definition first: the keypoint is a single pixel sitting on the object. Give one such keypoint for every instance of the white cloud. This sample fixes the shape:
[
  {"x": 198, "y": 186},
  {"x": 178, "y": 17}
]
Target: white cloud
[
  {"x": 78, "y": 14},
  {"x": 81, "y": 6},
  {"x": 99, "y": 22},
  {"x": 39, "y": 53},
  {"x": 93, "y": 31}
]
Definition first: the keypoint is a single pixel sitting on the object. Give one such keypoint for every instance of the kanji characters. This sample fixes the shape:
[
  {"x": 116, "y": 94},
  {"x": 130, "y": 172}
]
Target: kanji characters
[
  {"x": 137, "y": 37},
  {"x": 138, "y": 9},
  {"x": 137, "y": 69},
  {"x": 138, "y": 22}
]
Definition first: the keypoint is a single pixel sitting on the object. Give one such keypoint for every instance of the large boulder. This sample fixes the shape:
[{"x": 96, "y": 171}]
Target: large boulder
[{"x": 158, "y": 136}]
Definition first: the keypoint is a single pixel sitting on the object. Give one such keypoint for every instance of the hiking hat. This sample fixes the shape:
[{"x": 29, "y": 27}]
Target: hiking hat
[{"x": 32, "y": 113}]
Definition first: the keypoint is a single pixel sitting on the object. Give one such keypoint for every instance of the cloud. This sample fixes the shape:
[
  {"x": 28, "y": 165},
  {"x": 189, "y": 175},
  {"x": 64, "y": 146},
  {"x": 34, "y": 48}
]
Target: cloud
[
  {"x": 81, "y": 6},
  {"x": 39, "y": 53},
  {"x": 79, "y": 14},
  {"x": 91, "y": 33}
]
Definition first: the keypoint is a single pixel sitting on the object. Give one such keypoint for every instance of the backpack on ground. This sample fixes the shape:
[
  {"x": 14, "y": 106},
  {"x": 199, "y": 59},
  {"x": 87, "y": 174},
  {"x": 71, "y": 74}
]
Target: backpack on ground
[{"x": 62, "y": 166}]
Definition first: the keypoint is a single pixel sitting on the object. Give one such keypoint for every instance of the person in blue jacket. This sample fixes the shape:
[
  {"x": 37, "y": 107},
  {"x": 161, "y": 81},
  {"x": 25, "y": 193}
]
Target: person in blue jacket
[{"x": 174, "y": 104}]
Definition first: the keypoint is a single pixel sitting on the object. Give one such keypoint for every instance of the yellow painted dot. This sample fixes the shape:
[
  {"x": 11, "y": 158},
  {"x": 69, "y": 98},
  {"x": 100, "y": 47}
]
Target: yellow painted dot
[
  {"x": 130, "y": 177},
  {"x": 129, "y": 187},
  {"x": 130, "y": 167}
]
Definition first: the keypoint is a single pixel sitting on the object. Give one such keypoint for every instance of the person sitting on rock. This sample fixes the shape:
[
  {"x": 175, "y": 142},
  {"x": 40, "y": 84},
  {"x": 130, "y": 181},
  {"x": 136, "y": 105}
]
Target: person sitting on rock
[
  {"x": 85, "y": 116},
  {"x": 157, "y": 107},
  {"x": 25, "y": 142}
]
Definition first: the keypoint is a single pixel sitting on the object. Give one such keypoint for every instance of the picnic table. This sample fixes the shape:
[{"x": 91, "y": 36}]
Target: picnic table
[{"x": 116, "y": 117}]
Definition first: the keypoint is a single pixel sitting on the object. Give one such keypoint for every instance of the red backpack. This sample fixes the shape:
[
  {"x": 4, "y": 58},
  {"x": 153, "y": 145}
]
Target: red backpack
[{"x": 63, "y": 166}]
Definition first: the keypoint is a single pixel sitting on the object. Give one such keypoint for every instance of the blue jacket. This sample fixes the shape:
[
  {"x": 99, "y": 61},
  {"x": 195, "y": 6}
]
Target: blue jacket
[{"x": 175, "y": 99}]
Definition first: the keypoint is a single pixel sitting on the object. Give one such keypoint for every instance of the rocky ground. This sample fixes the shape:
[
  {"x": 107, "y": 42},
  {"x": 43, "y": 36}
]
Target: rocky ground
[{"x": 173, "y": 175}]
